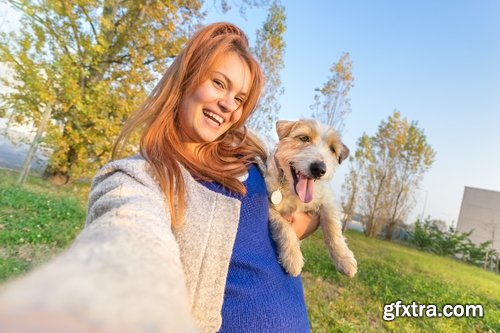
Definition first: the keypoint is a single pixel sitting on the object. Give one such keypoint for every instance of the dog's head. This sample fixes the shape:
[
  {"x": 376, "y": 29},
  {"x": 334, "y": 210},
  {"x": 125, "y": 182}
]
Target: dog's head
[{"x": 308, "y": 151}]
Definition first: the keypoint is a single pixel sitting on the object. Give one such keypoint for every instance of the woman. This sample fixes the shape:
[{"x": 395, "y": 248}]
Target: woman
[{"x": 176, "y": 239}]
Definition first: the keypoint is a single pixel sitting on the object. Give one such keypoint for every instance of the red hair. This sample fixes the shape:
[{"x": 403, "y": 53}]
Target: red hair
[{"x": 161, "y": 143}]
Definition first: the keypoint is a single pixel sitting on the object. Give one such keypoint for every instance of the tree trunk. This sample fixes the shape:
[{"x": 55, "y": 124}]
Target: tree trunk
[
  {"x": 389, "y": 230},
  {"x": 34, "y": 146},
  {"x": 54, "y": 173},
  {"x": 345, "y": 224}
]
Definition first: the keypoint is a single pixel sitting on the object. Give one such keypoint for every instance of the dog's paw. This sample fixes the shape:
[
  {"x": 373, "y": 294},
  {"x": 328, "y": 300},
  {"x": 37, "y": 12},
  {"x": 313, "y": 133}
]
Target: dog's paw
[
  {"x": 347, "y": 266},
  {"x": 293, "y": 263}
]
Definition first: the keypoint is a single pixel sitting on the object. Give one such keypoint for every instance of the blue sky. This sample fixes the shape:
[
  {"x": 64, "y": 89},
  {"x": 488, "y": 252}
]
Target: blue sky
[{"x": 437, "y": 62}]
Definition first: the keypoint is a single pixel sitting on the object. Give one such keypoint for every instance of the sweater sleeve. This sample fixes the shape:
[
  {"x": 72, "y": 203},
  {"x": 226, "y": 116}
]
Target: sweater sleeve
[{"x": 122, "y": 274}]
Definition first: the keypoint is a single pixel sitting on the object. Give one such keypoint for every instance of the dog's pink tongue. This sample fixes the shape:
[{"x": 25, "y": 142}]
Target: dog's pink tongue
[{"x": 305, "y": 188}]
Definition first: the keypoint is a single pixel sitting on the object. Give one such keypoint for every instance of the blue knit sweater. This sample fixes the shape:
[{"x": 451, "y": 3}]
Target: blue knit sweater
[{"x": 259, "y": 296}]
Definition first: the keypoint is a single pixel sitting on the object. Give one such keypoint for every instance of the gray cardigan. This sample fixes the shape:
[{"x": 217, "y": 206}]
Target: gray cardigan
[{"x": 128, "y": 270}]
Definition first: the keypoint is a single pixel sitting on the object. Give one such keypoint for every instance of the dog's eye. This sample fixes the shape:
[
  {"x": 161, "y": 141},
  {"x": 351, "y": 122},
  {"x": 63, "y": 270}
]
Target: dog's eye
[
  {"x": 304, "y": 138},
  {"x": 333, "y": 150}
]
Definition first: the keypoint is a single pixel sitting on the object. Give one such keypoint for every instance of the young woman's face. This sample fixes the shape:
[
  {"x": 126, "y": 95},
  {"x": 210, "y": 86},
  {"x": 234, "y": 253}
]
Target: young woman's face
[{"x": 217, "y": 103}]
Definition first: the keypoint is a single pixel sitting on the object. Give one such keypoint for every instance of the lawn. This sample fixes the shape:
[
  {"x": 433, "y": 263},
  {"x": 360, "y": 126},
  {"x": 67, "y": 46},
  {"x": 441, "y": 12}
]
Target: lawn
[
  {"x": 388, "y": 272},
  {"x": 36, "y": 221},
  {"x": 39, "y": 220}
]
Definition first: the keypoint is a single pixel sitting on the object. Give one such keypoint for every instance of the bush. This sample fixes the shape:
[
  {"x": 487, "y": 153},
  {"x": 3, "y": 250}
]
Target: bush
[{"x": 428, "y": 236}]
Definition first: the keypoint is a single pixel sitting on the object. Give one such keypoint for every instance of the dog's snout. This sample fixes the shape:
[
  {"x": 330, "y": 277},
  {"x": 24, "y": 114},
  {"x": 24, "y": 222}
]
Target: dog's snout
[{"x": 318, "y": 169}]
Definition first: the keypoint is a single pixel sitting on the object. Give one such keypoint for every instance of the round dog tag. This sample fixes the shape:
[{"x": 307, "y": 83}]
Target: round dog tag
[{"x": 276, "y": 197}]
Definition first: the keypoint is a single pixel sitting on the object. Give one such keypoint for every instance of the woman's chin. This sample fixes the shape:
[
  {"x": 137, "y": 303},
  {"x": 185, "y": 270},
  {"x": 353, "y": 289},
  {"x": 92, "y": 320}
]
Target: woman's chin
[
  {"x": 209, "y": 137},
  {"x": 210, "y": 134}
]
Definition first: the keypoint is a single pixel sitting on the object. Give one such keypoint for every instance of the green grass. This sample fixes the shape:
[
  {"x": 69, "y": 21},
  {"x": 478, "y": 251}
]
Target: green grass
[
  {"x": 388, "y": 272},
  {"x": 39, "y": 220}
]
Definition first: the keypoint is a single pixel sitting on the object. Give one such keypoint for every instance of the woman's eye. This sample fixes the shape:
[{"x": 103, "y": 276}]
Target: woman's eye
[
  {"x": 219, "y": 83},
  {"x": 304, "y": 138},
  {"x": 239, "y": 100}
]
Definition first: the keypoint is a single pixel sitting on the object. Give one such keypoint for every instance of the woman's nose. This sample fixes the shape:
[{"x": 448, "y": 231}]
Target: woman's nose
[{"x": 228, "y": 104}]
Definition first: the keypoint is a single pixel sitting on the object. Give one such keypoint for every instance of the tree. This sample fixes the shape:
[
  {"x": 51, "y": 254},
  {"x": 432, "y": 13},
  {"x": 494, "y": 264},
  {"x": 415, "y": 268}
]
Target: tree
[
  {"x": 92, "y": 62},
  {"x": 390, "y": 165},
  {"x": 349, "y": 194},
  {"x": 225, "y": 6},
  {"x": 412, "y": 156},
  {"x": 269, "y": 49},
  {"x": 332, "y": 105},
  {"x": 372, "y": 183}
]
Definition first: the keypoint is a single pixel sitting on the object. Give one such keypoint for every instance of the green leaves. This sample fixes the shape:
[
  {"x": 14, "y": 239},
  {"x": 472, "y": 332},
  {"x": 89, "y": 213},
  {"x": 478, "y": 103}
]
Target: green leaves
[
  {"x": 428, "y": 236},
  {"x": 92, "y": 62}
]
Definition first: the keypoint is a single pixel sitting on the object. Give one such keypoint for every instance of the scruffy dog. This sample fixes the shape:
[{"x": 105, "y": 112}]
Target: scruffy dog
[{"x": 297, "y": 173}]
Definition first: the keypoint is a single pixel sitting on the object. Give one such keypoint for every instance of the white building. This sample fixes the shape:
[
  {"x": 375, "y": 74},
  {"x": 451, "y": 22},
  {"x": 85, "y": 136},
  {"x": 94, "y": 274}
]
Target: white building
[{"x": 480, "y": 211}]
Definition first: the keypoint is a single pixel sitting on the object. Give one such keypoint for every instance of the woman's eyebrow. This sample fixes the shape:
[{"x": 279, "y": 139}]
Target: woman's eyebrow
[{"x": 228, "y": 80}]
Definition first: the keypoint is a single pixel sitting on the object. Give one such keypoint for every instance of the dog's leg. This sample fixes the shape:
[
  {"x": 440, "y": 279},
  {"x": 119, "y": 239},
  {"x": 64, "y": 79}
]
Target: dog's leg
[
  {"x": 335, "y": 241},
  {"x": 287, "y": 242}
]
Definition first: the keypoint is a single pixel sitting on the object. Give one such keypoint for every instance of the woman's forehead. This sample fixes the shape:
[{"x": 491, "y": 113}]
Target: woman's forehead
[{"x": 234, "y": 69}]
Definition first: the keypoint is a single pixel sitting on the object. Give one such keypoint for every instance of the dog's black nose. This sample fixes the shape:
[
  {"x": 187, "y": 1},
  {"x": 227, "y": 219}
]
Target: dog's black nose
[{"x": 318, "y": 169}]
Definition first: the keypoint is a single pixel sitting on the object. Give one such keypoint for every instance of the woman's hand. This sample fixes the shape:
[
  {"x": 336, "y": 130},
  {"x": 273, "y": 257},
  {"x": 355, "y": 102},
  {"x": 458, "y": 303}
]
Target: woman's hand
[{"x": 303, "y": 224}]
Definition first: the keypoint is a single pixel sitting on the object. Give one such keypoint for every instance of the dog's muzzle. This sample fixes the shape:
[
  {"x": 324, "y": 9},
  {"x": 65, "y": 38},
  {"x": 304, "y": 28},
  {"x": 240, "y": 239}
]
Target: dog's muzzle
[{"x": 317, "y": 169}]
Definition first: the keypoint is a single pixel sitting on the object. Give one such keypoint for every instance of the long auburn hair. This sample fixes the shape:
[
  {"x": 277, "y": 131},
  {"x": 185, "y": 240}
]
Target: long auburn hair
[{"x": 161, "y": 144}]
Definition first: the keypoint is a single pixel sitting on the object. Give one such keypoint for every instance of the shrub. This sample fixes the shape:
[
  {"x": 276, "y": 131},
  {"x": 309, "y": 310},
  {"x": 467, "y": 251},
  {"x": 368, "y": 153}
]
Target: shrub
[{"x": 429, "y": 236}]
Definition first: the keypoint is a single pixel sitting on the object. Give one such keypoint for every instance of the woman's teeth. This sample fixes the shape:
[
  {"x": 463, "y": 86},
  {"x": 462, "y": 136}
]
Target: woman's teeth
[{"x": 214, "y": 117}]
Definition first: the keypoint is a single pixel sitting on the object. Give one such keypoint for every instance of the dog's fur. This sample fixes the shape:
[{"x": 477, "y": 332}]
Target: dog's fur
[{"x": 303, "y": 146}]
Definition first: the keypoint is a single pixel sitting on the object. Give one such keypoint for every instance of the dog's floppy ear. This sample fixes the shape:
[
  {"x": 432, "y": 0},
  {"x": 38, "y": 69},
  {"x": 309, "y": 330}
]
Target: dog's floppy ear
[
  {"x": 344, "y": 153},
  {"x": 284, "y": 127}
]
